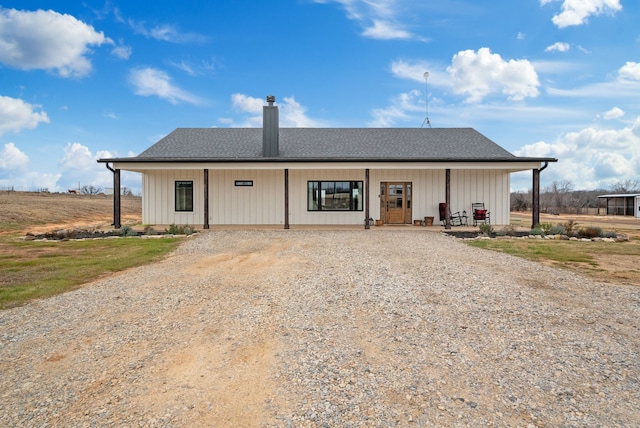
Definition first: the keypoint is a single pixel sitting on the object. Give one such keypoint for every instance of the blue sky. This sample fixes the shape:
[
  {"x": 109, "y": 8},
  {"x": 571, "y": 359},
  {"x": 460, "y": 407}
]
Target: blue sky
[{"x": 82, "y": 80}]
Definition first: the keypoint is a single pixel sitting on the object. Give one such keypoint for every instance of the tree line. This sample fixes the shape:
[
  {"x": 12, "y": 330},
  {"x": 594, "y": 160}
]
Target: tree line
[{"x": 560, "y": 197}]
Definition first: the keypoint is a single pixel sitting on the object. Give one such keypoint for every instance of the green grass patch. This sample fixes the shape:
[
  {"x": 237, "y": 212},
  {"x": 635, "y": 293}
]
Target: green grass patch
[
  {"x": 609, "y": 262},
  {"x": 558, "y": 252},
  {"x": 32, "y": 270}
]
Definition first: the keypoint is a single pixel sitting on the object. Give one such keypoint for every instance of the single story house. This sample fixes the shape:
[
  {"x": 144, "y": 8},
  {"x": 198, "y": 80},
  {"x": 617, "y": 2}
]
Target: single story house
[
  {"x": 622, "y": 204},
  {"x": 327, "y": 176}
]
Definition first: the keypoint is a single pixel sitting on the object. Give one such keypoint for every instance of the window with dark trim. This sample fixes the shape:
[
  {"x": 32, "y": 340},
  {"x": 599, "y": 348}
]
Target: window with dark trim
[
  {"x": 335, "y": 196},
  {"x": 243, "y": 183},
  {"x": 184, "y": 195}
]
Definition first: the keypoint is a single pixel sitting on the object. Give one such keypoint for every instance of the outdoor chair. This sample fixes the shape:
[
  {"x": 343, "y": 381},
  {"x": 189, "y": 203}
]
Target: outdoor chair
[
  {"x": 455, "y": 219},
  {"x": 480, "y": 213}
]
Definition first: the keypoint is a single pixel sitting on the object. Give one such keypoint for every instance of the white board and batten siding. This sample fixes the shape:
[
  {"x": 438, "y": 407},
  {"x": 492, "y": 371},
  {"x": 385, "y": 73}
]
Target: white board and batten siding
[
  {"x": 263, "y": 203},
  {"x": 492, "y": 187},
  {"x": 158, "y": 203}
]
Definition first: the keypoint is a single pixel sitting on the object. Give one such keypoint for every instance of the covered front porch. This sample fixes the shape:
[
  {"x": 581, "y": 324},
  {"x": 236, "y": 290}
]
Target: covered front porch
[{"x": 277, "y": 194}]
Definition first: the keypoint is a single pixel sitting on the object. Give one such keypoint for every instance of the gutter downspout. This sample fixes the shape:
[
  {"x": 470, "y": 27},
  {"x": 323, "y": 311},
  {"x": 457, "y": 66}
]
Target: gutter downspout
[
  {"x": 447, "y": 199},
  {"x": 206, "y": 199},
  {"x": 286, "y": 198},
  {"x": 535, "y": 204},
  {"x": 366, "y": 199},
  {"x": 116, "y": 196}
]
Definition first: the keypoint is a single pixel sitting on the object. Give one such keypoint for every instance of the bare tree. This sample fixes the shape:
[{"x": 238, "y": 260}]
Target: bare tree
[
  {"x": 521, "y": 201},
  {"x": 557, "y": 196},
  {"x": 90, "y": 190},
  {"x": 627, "y": 186}
]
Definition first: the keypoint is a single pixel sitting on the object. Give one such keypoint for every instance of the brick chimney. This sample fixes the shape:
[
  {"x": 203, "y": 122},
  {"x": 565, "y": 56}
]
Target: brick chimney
[{"x": 270, "y": 128}]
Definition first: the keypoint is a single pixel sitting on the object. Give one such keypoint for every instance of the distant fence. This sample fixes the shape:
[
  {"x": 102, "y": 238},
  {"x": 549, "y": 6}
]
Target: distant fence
[{"x": 574, "y": 210}]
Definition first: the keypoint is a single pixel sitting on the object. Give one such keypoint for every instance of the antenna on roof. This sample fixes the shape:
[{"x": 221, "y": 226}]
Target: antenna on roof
[{"x": 426, "y": 83}]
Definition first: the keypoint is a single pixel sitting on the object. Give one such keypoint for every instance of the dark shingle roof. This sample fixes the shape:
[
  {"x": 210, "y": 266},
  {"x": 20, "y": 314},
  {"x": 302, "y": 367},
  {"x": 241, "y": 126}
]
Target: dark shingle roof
[{"x": 328, "y": 144}]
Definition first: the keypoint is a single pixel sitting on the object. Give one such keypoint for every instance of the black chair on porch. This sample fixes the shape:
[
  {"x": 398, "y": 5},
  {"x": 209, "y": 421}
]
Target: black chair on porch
[
  {"x": 480, "y": 213},
  {"x": 456, "y": 219}
]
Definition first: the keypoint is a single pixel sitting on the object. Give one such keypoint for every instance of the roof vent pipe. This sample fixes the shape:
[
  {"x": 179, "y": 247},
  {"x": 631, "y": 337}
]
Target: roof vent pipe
[{"x": 270, "y": 128}]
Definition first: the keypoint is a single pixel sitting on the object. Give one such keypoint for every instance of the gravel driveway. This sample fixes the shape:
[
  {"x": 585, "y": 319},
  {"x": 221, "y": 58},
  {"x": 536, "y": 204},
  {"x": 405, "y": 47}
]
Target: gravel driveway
[{"x": 307, "y": 328}]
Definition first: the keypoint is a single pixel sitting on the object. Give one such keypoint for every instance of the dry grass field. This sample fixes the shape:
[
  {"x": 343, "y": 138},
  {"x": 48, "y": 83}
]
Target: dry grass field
[
  {"x": 621, "y": 224},
  {"x": 22, "y": 212}
]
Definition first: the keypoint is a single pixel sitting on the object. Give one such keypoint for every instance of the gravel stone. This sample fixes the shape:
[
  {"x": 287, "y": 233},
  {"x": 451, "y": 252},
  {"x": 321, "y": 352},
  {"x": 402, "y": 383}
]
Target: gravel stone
[{"x": 319, "y": 328}]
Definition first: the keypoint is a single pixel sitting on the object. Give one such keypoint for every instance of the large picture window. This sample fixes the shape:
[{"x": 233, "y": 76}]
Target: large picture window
[
  {"x": 335, "y": 196},
  {"x": 184, "y": 195}
]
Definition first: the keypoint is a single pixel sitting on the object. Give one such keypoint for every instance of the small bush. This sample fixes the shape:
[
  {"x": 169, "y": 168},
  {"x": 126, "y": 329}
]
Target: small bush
[
  {"x": 508, "y": 230},
  {"x": 590, "y": 232},
  {"x": 546, "y": 227},
  {"x": 486, "y": 229},
  {"x": 148, "y": 230},
  {"x": 610, "y": 234},
  {"x": 180, "y": 230},
  {"x": 558, "y": 230},
  {"x": 127, "y": 230},
  {"x": 536, "y": 231},
  {"x": 570, "y": 227}
]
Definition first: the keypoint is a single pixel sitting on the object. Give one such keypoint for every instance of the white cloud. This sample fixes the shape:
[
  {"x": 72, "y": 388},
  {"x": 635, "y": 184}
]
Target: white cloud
[
  {"x": 609, "y": 164},
  {"x": 16, "y": 114},
  {"x": 379, "y": 18},
  {"x": 592, "y": 158},
  {"x": 483, "y": 73},
  {"x": 583, "y": 49},
  {"x": 195, "y": 69},
  {"x": 623, "y": 87},
  {"x": 122, "y": 51},
  {"x": 76, "y": 165},
  {"x": 165, "y": 32},
  {"x": 77, "y": 157},
  {"x": 630, "y": 71},
  {"x": 577, "y": 12},
  {"x": 614, "y": 113},
  {"x": 415, "y": 71},
  {"x": 12, "y": 159},
  {"x": 399, "y": 111},
  {"x": 292, "y": 113},
  {"x": 247, "y": 104},
  {"x": 558, "y": 47},
  {"x": 385, "y": 30},
  {"x": 14, "y": 172},
  {"x": 153, "y": 82},
  {"x": 30, "y": 181},
  {"x": 47, "y": 40}
]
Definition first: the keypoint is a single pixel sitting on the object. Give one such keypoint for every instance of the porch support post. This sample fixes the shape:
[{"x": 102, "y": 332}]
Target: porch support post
[
  {"x": 535, "y": 204},
  {"x": 206, "y": 199},
  {"x": 366, "y": 199},
  {"x": 116, "y": 197},
  {"x": 286, "y": 198},
  {"x": 447, "y": 197}
]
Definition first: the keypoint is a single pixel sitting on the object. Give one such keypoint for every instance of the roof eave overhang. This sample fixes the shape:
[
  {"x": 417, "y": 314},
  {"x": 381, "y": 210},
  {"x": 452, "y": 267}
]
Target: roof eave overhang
[
  {"x": 149, "y": 164},
  {"x": 320, "y": 160}
]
